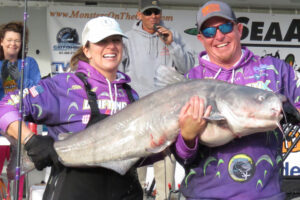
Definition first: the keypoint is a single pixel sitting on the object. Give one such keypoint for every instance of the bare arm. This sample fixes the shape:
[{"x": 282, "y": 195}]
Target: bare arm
[
  {"x": 39, "y": 148},
  {"x": 12, "y": 130}
]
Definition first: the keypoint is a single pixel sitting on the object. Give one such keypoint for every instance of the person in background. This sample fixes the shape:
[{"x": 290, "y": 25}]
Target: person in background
[
  {"x": 149, "y": 45},
  {"x": 97, "y": 80},
  {"x": 11, "y": 35},
  {"x": 249, "y": 167}
]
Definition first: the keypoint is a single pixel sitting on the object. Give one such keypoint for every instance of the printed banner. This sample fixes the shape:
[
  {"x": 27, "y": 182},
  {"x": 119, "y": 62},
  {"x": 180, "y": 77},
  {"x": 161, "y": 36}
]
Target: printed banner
[
  {"x": 65, "y": 25},
  {"x": 277, "y": 35}
]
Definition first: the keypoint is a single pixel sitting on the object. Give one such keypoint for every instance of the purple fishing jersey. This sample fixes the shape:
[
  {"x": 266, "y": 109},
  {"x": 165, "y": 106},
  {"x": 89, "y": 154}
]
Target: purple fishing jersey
[
  {"x": 249, "y": 167},
  {"x": 61, "y": 102}
]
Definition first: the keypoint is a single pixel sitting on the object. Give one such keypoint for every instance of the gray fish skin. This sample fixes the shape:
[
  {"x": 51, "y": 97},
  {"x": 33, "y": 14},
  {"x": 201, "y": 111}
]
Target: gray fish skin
[{"x": 151, "y": 124}]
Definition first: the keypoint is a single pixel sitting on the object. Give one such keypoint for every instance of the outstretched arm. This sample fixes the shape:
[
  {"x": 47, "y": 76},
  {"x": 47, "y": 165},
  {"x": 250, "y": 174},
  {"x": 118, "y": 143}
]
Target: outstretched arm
[
  {"x": 39, "y": 148},
  {"x": 12, "y": 130}
]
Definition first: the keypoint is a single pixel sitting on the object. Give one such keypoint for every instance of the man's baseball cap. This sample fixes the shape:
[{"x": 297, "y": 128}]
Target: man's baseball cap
[
  {"x": 214, "y": 9},
  {"x": 100, "y": 28},
  {"x": 146, "y": 4}
]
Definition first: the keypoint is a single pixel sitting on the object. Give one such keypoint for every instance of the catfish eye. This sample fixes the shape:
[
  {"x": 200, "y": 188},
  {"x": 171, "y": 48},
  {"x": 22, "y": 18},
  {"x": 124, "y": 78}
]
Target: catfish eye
[{"x": 261, "y": 98}]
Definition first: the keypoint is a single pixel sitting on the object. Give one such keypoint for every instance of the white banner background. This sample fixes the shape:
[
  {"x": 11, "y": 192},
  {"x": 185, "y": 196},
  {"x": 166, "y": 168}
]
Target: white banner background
[{"x": 263, "y": 33}]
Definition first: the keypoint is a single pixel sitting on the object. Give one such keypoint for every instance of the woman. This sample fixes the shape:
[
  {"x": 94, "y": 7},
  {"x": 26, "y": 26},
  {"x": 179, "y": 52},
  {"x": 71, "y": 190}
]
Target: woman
[
  {"x": 67, "y": 103},
  {"x": 11, "y": 35}
]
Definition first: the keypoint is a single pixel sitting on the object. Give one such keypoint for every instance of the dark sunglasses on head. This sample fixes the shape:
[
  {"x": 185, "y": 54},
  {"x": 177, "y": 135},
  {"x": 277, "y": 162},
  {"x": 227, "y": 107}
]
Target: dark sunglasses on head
[
  {"x": 149, "y": 12},
  {"x": 210, "y": 32}
]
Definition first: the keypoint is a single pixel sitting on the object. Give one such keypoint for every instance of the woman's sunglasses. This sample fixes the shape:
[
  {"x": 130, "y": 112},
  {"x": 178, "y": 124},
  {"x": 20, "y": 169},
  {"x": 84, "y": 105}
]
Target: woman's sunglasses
[
  {"x": 149, "y": 12},
  {"x": 210, "y": 32}
]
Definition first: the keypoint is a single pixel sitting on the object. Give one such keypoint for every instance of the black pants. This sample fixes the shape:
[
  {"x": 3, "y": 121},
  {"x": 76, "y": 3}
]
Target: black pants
[{"x": 92, "y": 184}]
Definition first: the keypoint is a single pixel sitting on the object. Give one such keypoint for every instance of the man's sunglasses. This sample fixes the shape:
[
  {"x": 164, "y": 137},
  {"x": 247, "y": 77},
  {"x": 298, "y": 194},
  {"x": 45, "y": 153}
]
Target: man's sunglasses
[
  {"x": 149, "y": 12},
  {"x": 210, "y": 32}
]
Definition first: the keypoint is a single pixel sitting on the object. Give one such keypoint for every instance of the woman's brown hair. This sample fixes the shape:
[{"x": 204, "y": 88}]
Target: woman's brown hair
[
  {"x": 15, "y": 27},
  {"x": 78, "y": 55}
]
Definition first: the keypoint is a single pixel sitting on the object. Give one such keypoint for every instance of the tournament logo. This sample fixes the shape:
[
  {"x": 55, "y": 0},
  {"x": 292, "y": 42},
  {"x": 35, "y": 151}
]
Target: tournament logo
[
  {"x": 67, "y": 35},
  {"x": 241, "y": 168}
]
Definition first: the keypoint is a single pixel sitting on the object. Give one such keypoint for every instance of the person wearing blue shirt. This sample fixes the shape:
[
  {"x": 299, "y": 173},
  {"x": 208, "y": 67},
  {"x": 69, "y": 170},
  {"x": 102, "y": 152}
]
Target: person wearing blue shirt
[{"x": 11, "y": 35}]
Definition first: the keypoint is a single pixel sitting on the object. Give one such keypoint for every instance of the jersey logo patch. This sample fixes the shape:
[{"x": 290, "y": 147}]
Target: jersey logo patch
[{"x": 36, "y": 90}]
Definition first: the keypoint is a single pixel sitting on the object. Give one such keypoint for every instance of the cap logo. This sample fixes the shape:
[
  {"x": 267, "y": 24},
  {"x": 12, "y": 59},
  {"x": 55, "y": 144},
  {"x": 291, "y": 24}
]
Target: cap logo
[
  {"x": 154, "y": 3},
  {"x": 107, "y": 22},
  {"x": 210, "y": 8}
]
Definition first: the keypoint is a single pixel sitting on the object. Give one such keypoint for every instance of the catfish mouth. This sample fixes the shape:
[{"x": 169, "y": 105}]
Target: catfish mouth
[
  {"x": 277, "y": 114},
  {"x": 250, "y": 119}
]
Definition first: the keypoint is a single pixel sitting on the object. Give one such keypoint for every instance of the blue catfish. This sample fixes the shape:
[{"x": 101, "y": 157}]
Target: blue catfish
[{"x": 151, "y": 124}]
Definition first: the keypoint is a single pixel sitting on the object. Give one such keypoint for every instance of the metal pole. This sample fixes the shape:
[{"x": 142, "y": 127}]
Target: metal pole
[{"x": 17, "y": 179}]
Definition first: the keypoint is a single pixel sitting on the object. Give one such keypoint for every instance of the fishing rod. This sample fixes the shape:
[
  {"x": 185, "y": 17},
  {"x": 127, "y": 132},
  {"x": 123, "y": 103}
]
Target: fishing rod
[{"x": 17, "y": 178}]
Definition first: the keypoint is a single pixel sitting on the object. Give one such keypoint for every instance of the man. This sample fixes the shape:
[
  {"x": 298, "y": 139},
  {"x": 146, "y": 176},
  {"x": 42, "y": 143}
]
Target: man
[
  {"x": 149, "y": 45},
  {"x": 248, "y": 167}
]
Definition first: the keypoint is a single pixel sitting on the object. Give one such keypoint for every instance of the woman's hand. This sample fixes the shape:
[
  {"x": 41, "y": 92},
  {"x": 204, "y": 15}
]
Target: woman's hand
[
  {"x": 39, "y": 148},
  {"x": 191, "y": 120},
  {"x": 41, "y": 151}
]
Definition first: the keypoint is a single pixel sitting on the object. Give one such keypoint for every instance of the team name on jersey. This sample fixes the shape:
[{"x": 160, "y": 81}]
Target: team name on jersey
[{"x": 105, "y": 104}]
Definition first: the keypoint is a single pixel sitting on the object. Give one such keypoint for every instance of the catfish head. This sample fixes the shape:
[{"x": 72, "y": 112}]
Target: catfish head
[{"x": 250, "y": 110}]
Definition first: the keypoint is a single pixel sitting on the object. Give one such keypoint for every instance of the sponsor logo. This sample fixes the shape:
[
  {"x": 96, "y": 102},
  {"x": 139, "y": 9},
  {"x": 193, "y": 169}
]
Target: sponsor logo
[
  {"x": 290, "y": 170},
  {"x": 67, "y": 35},
  {"x": 241, "y": 168},
  {"x": 85, "y": 119},
  {"x": 60, "y": 67},
  {"x": 105, "y": 104},
  {"x": 67, "y": 41}
]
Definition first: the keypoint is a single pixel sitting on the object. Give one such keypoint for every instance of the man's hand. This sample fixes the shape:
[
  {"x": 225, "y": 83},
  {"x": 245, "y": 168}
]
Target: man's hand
[
  {"x": 165, "y": 34},
  {"x": 41, "y": 151},
  {"x": 191, "y": 120}
]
